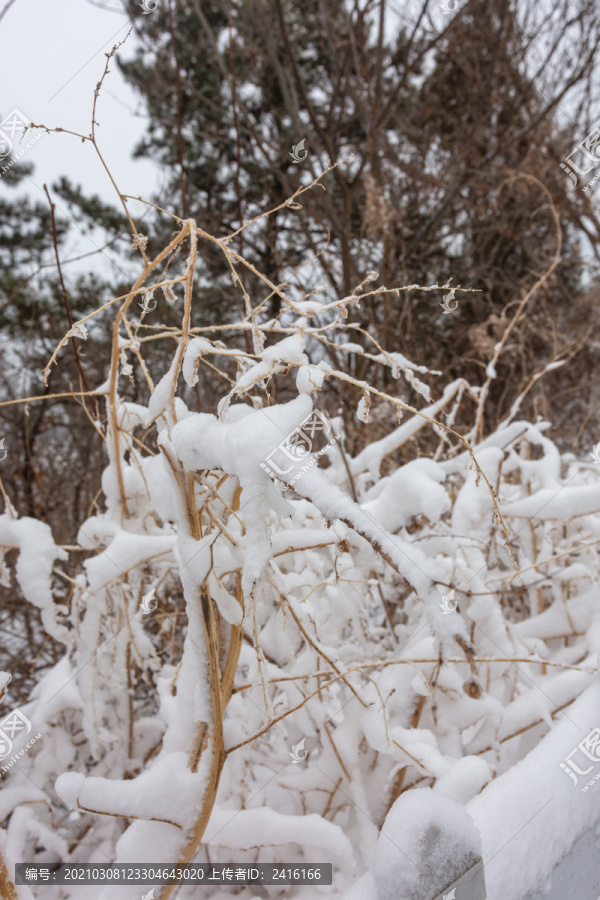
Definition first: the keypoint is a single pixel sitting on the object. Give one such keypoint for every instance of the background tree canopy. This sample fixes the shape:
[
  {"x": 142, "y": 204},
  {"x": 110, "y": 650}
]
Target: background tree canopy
[{"x": 439, "y": 124}]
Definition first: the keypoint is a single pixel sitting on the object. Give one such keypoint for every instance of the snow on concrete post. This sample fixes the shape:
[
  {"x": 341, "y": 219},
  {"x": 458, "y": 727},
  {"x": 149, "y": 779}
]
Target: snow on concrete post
[{"x": 427, "y": 849}]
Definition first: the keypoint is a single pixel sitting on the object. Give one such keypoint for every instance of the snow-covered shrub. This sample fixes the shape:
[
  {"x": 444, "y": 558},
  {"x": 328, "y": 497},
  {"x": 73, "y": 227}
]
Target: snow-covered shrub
[{"x": 261, "y": 653}]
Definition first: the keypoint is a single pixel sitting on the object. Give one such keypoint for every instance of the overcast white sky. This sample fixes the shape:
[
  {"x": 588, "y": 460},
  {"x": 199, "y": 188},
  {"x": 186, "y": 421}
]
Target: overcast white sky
[{"x": 52, "y": 57}]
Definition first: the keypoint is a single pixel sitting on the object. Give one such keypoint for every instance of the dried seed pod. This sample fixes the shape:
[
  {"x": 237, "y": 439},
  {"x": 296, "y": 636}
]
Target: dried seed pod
[{"x": 472, "y": 689}]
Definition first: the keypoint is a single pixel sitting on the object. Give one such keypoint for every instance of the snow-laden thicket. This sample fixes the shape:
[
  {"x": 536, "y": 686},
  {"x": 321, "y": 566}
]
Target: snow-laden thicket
[{"x": 293, "y": 601}]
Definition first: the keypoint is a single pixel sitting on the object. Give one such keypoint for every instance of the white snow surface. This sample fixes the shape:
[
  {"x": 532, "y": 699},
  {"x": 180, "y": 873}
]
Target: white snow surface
[
  {"x": 531, "y": 816},
  {"x": 427, "y": 841},
  {"x": 167, "y": 791}
]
